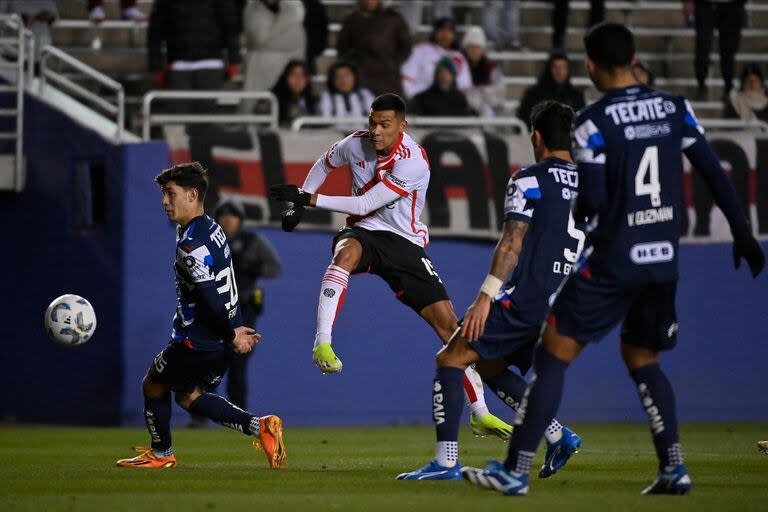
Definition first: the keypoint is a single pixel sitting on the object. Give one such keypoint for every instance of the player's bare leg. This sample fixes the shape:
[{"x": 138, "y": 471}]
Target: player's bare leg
[
  {"x": 658, "y": 400},
  {"x": 157, "y": 415},
  {"x": 442, "y": 318},
  {"x": 268, "y": 430},
  {"x": 333, "y": 289}
]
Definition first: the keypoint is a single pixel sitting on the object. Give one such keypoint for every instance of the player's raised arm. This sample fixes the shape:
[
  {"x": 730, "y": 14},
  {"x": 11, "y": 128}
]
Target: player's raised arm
[{"x": 704, "y": 161}]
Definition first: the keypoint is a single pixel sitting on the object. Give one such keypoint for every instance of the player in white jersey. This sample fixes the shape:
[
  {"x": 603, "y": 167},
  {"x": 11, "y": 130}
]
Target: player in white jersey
[{"x": 383, "y": 235}]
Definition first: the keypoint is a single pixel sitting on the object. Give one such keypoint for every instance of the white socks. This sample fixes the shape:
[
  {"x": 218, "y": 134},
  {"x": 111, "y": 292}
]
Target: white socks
[
  {"x": 474, "y": 393},
  {"x": 447, "y": 453},
  {"x": 554, "y": 432},
  {"x": 332, "y": 291}
]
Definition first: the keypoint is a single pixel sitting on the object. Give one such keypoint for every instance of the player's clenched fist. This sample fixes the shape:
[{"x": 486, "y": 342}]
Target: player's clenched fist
[
  {"x": 245, "y": 339},
  {"x": 291, "y": 194}
]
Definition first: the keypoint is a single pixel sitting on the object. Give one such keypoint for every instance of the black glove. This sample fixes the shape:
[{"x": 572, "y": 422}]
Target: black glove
[
  {"x": 748, "y": 248},
  {"x": 291, "y": 194},
  {"x": 292, "y": 217}
]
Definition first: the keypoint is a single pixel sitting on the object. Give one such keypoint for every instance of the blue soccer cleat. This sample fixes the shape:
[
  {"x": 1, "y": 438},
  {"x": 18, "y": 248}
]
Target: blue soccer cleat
[
  {"x": 433, "y": 471},
  {"x": 558, "y": 453},
  {"x": 496, "y": 478},
  {"x": 675, "y": 481}
]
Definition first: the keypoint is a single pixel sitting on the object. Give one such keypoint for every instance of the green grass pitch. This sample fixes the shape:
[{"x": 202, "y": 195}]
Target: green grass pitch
[{"x": 72, "y": 469}]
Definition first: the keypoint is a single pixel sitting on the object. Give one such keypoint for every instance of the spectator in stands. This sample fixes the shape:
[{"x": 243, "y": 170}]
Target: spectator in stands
[
  {"x": 199, "y": 38},
  {"x": 728, "y": 17},
  {"x": 442, "y": 98},
  {"x": 129, "y": 11},
  {"x": 554, "y": 84},
  {"x": 377, "y": 41},
  {"x": 294, "y": 93},
  {"x": 38, "y": 16},
  {"x": 274, "y": 35},
  {"x": 413, "y": 12},
  {"x": 487, "y": 91},
  {"x": 749, "y": 103},
  {"x": 343, "y": 96},
  {"x": 501, "y": 22},
  {"x": 316, "y": 29},
  {"x": 560, "y": 19},
  {"x": 419, "y": 70},
  {"x": 642, "y": 74}
]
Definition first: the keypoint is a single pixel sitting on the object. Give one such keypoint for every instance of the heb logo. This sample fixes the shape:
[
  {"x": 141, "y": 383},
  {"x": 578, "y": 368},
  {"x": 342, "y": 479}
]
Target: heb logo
[{"x": 652, "y": 252}]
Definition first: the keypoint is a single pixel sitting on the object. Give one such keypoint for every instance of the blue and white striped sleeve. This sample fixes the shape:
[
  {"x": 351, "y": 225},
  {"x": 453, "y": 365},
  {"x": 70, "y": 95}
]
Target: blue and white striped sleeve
[
  {"x": 589, "y": 154},
  {"x": 522, "y": 195}
]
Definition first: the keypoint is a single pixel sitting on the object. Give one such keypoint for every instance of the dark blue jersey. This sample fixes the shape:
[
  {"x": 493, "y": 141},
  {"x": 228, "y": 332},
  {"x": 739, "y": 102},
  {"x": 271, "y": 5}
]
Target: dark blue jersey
[
  {"x": 541, "y": 196},
  {"x": 207, "y": 302},
  {"x": 628, "y": 146}
]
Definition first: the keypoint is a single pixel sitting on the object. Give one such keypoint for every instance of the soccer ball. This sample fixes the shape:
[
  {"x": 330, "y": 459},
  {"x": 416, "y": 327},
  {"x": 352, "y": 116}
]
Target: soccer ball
[{"x": 70, "y": 320}]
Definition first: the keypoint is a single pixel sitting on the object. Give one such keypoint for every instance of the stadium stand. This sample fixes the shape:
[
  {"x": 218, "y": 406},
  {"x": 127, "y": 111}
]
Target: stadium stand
[{"x": 118, "y": 48}]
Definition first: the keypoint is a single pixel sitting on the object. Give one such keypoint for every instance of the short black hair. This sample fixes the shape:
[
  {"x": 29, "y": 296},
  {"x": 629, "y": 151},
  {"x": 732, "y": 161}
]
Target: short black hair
[
  {"x": 553, "y": 121},
  {"x": 389, "y": 101},
  {"x": 188, "y": 175},
  {"x": 610, "y": 45}
]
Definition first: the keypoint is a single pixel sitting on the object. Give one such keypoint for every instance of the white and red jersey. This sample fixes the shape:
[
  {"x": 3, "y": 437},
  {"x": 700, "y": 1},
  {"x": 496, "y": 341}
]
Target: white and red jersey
[
  {"x": 405, "y": 171},
  {"x": 418, "y": 71}
]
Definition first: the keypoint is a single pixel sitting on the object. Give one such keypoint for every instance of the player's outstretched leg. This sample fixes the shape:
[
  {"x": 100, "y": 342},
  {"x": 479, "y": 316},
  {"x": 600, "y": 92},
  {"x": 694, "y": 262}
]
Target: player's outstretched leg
[
  {"x": 441, "y": 317},
  {"x": 481, "y": 421},
  {"x": 538, "y": 407},
  {"x": 333, "y": 289},
  {"x": 562, "y": 442},
  {"x": 268, "y": 430},
  {"x": 658, "y": 399},
  {"x": 157, "y": 416}
]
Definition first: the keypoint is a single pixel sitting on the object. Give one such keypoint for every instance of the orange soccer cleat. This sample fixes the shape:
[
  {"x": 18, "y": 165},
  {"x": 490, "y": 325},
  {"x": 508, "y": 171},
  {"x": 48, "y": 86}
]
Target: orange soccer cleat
[
  {"x": 271, "y": 440},
  {"x": 147, "y": 459}
]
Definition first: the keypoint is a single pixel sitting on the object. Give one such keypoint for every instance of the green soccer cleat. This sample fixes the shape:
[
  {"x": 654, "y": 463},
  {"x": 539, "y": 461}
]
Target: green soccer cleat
[
  {"x": 325, "y": 358},
  {"x": 763, "y": 446},
  {"x": 490, "y": 425}
]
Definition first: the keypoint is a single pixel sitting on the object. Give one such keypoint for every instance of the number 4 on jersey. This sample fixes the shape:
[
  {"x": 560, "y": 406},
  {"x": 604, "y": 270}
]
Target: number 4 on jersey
[{"x": 649, "y": 169}]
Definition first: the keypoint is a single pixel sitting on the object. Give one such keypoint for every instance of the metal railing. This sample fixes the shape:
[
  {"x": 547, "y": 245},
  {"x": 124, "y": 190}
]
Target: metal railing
[
  {"x": 149, "y": 119},
  {"x": 19, "y": 44},
  {"x": 438, "y": 121},
  {"x": 734, "y": 124},
  {"x": 47, "y": 74}
]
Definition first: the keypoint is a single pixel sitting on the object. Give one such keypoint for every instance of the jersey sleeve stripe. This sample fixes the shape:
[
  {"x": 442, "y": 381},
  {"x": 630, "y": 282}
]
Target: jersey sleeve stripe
[
  {"x": 394, "y": 187},
  {"x": 517, "y": 216}
]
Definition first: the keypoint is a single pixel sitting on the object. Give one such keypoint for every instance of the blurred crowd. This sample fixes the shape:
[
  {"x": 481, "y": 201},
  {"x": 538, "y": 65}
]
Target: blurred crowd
[{"x": 197, "y": 44}]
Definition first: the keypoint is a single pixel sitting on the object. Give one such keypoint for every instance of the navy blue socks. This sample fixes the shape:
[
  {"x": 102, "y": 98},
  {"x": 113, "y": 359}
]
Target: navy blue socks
[
  {"x": 538, "y": 407},
  {"x": 225, "y": 413},
  {"x": 447, "y": 406},
  {"x": 658, "y": 401},
  {"x": 157, "y": 416},
  {"x": 509, "y": 387}
]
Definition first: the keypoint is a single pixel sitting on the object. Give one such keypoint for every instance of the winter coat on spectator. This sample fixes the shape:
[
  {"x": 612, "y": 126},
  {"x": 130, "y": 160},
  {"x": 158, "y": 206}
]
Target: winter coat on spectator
[
  {"x": 378, "y": 43},
  {"x": 418, "y": 71},
  {"x": 273, "y": 37},
  {"x": 316, "y": 28},
  {"x": 547, "y": 89},
  {"x": 336, "y": 104},
  {"x": 193, "y": 30},
  {"x": 436, "y": 101}
]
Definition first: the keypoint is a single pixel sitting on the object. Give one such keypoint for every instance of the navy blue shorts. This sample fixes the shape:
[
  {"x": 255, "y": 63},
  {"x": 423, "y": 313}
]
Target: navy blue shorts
[
  {"x": 507, "y": 337},
  {"x": 185, "y": 369},
  {"x": 587, "y": 308}
]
